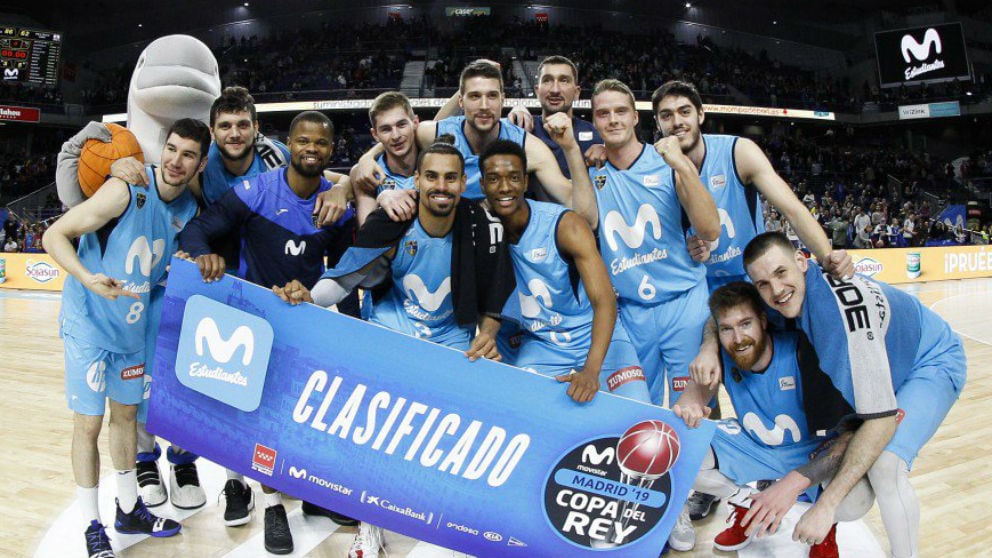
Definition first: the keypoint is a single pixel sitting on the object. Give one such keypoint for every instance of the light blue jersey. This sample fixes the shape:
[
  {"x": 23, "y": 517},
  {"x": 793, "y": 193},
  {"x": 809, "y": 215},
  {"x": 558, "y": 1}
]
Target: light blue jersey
[
  {"x": 738, "y": 206},
  {"x": 419, "y": 300},
  {"x": 393, "y": 180},
  {"x": 885, "y": 352},
  {"x": 215, "y": 180},
  {"x": 641, "y": 233},
  {"x": 455, "y": 125},
  {"x": 135, "y": 250}
]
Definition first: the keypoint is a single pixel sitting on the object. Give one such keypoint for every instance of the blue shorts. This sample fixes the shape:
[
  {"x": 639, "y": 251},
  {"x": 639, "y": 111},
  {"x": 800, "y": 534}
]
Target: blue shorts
[
  {"x": 666, "y": 337},
  {"x": 508, "y": 341},
  {"x": 621, "y": 373},
  {"x": 743, "y": 459},
  {"x": 155, "y": 303},
  {"x": 924, "y": 400},
  {"x": 93, "y": 374}
]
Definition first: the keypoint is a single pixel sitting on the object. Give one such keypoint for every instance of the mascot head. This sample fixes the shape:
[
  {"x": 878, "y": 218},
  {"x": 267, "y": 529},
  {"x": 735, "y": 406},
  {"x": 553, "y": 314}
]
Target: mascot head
[{"x": 176, "y": 77}]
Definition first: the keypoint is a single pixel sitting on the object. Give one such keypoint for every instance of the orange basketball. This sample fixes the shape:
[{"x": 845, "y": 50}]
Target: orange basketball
[{"x": 97, "y": 156}]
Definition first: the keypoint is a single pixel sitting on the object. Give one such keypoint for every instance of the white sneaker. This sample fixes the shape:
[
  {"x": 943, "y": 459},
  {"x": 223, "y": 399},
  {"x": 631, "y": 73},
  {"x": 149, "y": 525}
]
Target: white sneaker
[
  {"x": 185, "y": 487},
  {"x": 368, "y": 542},
  {"x": 683, "y": 536},
  {"x": 150, "y": 486}
]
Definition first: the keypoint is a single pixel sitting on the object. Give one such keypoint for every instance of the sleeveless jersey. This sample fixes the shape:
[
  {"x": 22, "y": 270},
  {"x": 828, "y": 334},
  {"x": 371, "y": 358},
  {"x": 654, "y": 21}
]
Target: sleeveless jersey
[
  {"x": 737, "y": 204},
  {"x": 392, "y": 180},
  {"x": 641, "y": 234},
  {"x": 769, "y": 405},
  {"x": 586, "y": 136},
  {"x": 871, "y": 338},
  {"x": 455, "y": 125},
  {"x": 134, "y": 249},
  {"x": 215, "y": 180},
  {"x": 553, "y": 304},
  {"x": 419, "y": 300}
]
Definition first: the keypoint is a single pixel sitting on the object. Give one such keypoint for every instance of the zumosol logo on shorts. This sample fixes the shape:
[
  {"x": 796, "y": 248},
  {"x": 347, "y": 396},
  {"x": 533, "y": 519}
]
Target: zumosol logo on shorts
[{"x": 223, "y": 352}]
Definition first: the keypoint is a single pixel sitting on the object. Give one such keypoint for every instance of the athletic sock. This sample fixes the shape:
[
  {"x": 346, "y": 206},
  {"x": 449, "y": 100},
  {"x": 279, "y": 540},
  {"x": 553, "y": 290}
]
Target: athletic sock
[
  {"x": 89, "y": 504},
  {"x": 127, "y": 490}
]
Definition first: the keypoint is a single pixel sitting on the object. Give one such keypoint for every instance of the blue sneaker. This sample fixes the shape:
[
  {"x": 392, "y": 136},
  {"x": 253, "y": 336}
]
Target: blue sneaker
[
  {"x": 97, "y": 541},
  {"x": 143, "y": 522}
]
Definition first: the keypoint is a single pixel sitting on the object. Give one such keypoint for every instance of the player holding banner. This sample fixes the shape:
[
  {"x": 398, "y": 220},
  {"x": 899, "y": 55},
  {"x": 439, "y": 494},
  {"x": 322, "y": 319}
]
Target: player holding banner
[
  {"x": 894, "y": 360},
  {"x": 125, "y": 234},
  {"x": 565, "y": 300}
]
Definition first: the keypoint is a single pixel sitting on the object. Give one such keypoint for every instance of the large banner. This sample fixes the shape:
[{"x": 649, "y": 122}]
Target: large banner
[
  {"x": 479, "y": 457},
  {"x": 30, "y": 271},
  {"x": 913, "y": 265},
  {"x": 922, "y": 55}
]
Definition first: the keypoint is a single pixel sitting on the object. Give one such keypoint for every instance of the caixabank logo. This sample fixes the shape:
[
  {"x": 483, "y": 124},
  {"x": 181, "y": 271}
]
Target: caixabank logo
[
  {"x": 610, "y": 492},
  {"x": 223, "y": 352}
]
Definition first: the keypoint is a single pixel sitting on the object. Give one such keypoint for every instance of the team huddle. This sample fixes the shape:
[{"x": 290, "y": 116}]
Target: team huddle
[{"x": 645, "y": 274}]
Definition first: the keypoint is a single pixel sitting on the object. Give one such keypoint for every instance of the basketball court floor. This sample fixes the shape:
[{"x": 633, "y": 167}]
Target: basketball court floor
[{"x": 39, "y": 517}]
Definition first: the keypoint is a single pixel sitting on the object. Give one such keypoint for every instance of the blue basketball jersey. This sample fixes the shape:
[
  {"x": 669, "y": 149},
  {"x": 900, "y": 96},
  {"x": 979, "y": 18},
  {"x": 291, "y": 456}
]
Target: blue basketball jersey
[
  {"x": 641, "y": 234},
  {"x": 455, "y": 125},
  {"x": 392, "y": 180},
  {"x": 554, "y": 308},
  {"x": 871, "y": 338},
  {"x": 134, "y": 249},
  {"x": 419, "y": 300},
  {"x": 736, "y": 202},
  {"x": 215, "y": 180},
  {"x": 586, "y": 136},
  {"x": 769, "y": 404}
]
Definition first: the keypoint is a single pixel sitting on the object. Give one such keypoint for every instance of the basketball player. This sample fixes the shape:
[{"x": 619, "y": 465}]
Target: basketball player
[
  {"x": 125, "y": 233},
  {"x": 273, "y": 215},
  {"x": 765, "y": 375},
  {"x": 481, "y": 88},
  {"x": 566, "y": 301},
  {"x": 414, "y": 262},
  {"x": 734, "y": 171},
  {"x": 894, "y": 360},
  {"x": 394, "y": 126},
  {"x": 557, "y": 88}
]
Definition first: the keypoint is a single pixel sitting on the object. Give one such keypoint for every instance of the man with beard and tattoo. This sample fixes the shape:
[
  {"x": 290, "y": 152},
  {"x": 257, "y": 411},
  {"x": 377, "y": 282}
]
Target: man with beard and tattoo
[
  {"x": 765, "y": 375},
  {"x": 280, "y": 243}
]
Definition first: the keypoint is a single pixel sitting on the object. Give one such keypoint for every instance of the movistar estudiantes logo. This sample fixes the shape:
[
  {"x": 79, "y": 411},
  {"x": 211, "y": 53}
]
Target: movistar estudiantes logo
[
  {"x": 223, "y": 352},
  {"x": 415, "y": 288},
  {"x": 633, "y": 235},
  {"x": 921, "y": 50},
  {"x": 148, "y": 255}
]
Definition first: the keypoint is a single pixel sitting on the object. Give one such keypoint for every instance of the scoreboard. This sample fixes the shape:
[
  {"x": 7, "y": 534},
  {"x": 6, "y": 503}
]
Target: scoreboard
[{"x": 29, "y": 55}]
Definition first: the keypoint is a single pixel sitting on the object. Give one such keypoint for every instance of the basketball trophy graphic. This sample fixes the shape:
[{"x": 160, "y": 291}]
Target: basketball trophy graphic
[{"x": 645, "y": 452}]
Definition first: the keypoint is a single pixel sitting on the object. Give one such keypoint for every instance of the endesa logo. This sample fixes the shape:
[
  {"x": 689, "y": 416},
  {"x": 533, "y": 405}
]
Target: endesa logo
[
  {"x": 263, "y": 460},
  {"x": 223, "y": 352}
]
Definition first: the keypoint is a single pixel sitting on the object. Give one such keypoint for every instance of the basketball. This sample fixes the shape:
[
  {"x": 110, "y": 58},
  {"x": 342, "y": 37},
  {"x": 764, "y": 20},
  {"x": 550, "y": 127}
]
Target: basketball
[
  {"x": 97, "y": 156},
  {"x": 648, "y": 449}
]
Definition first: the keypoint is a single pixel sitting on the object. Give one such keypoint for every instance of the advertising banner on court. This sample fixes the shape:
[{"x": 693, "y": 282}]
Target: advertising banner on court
[
  {"x": 479, "y": 457},
  {"x": 912, "y": 265},
  {"x": 37, "y": 272}
]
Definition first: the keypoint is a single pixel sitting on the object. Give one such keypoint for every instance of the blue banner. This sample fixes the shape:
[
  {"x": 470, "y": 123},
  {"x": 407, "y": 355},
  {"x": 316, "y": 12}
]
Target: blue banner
[{"x": 479, "y": 457}]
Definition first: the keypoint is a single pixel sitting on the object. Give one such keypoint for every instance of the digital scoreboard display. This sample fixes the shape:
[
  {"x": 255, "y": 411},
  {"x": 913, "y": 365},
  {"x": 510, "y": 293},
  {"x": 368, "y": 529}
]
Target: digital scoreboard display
[{"x": 29, "y": 55}]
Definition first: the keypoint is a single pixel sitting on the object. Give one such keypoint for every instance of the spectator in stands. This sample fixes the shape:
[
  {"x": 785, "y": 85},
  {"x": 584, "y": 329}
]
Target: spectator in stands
[
  {"x": 10, "y": 245},
  {"x": 839, "y": 226}
]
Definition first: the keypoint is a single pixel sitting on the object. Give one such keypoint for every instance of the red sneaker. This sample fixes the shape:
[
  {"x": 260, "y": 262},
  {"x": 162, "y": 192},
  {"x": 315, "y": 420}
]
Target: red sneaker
[
  {"x": 733, "y": 537},
  {"x": 827, "y": 548}
]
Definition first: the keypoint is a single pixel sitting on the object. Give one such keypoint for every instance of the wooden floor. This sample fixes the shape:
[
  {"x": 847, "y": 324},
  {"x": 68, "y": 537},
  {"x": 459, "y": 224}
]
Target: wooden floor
[{"x": 952, "y": 476}]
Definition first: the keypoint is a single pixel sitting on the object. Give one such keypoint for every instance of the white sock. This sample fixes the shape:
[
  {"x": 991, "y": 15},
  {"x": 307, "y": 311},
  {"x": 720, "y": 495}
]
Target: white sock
[
  {"x": 273, "y": 499},
  {"x": 127, "y": 490},
  {"x": 231, "y": 475},
  {"x": 89, "y": 506}
]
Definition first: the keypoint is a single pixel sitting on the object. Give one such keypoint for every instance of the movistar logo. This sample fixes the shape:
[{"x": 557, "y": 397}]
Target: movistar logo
[
  {"x": 725, "y": 223},
  {"x": 297, "y": 473},
  {"x": 147, "y": 256},
  {"x": 222, "y": 350},
  {"x": 921, "y": 51},
  {"x": 529, "y": 305},
  {"x": 632, "y": 235},
  {"x": 776, "y": 435},
  {"x": 414, "y": 287},
  {"x": 294, "y": 249},
  {"x": 590, "y": 455}
]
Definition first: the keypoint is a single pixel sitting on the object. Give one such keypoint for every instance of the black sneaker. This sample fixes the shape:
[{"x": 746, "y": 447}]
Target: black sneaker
[
  {"x": 278, "y": 538},
  {"x": 700, "y": 505},
  {"x": 314, "y": 509},
  {"x": 143, "y": 522},
  {"x": 97, "y": 541},
  {"x": 240, "y": 500},
  {"x": 150, "y": 484}
]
